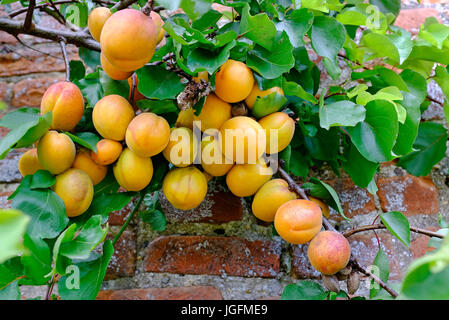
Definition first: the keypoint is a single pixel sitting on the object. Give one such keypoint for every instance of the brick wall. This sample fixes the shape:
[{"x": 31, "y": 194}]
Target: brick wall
[{"x": 220, "y": 250}]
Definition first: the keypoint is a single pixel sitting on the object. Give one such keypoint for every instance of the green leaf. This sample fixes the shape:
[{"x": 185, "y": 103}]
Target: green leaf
[
  {"x": 60, "y": 263},
  {"x": 88, "y": 140},
  {"x": 17, "y": 118},
  {"x": 268, "y": 104},
  {"x": 158, "y": 106},
  {"x": 296, "y": 25},
  {"x": 171, "y": 5},
  {"x": 13, "y": 224},
  {"x": 398, "y": 225},
  {"x": 42, "y": 179},
  {"x": 91, "y": 275},
  {"x": 358, "y": 167},
  {"x": 341, "y": 113},
  {"x": 375, "y": 137},
  {"x": 258, "y": 28},
  {"x": 381, "y": 268},
  {"x": 91, "y": 88},
  {"x": 294, "y": 89},
  {"x": 430, "y": 146},
  {"x": 304, "y": 290},
  {"x": 37, "y": 262},
  {"x": 77, "y": 70},
  {"x": 155, "y": 218},
  {"x": 299, "y": 163},
  {"x": 328, "y": 36},
  {"x": 90, "y": 57},
  {"x": 380, "y": 46},
  {"x": 200, "y": 59},
  {"x": 324, "y": 191},
  {"x": 111, "y": 86},
  {"x": 155, "y": 82},
  {"x": 195, "y": 8},
  {"x": 387, "y": 6},
  {"x": 402, "y": 40}
]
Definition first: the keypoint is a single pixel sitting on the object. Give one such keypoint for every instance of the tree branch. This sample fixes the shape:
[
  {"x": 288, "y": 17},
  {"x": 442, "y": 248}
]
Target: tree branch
[
  {"x": 383, "y": 285},
  {"x": 429, "y": 233},
  {"x": 123, "y": 4},
  {"x": 62, "y": 43},
  {"x": 29, "y": 17}
]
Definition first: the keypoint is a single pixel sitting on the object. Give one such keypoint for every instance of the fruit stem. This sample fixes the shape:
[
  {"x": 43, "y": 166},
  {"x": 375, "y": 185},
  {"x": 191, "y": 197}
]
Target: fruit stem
[
  {"x": 128, "y": 220},
  {"x": 62, "y": 43}
]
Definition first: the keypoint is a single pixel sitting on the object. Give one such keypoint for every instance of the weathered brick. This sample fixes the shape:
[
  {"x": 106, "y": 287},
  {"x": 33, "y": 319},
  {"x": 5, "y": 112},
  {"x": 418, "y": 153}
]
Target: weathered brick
[
  {"x": 118, "y": 218},
  {"x": 123, "y": 262},
  {"x": 177, "y": 293},
  {"x": 4, "y": 202},
  {"x": 231, "y": 256},
  {"x": 9, "y": 170},
  {"x": 419, "y": 246},
  {"x": 412, "y": 19},
  {"x": 408, "y": 194},
  {"x": 301, "y": 267},
  {"x": 3, "y": 91},
  {"x": 6, "y": 38},
  {"x": 29, "y": 92}
]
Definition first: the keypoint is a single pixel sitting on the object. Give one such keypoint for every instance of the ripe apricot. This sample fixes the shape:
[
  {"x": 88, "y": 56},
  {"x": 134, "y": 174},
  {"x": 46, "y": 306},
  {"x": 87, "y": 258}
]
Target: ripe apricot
[
  {"x": 112, "y": 71},
  {"x": 256, "y": 92},
  {"x": 279, "y": 129},
  {"x": 111, "y": 117},
  {"x": 159, "y": 24},
  {"x": 185, "y": 188},
  {"x": 182, "y": 148},
  {"x": 203, "y": 75},
  {"x": 133, "y": 172},
  {"x": 234, "y": 81},
  {"x": 29, "y": 163},
  {"x": 96, "y": 20},
  {"x": 329, "y": 252},
  {"x": 56, "y": 152},
  {"x": 212, "y": 160},
  {"x": 147, "y": 134},
  {"x": 324, "y": 207},
  {"x": 242, "y": 140},
  {"x": 215, "y": 112},
  {"x": 107, "y": 152},
  {"x": 186, "y": 118},
  {"x": 65, "y": 101},
  {"x": 84, "y": 162},
  {"x": 75, "y": 188},
  {"x": 270, "y": 197},
  {"x": 128, "y": 39},
  {"x": 245, "y": 179},
  {"x": 298, "y": 221}
]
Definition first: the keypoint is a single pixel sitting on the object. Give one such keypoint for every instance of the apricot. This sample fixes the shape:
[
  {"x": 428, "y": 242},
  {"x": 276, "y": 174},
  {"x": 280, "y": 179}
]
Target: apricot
[
  {"x": 75, "y": 188},
  {"x": 185, "y": 188},
  {"x": 128, "y": 39},
  {"x": 107, "y": 152},
  {"x": 148, "y": 134},
  {"x": 256, "y": 92},
  {"x": 245, "y": 179},
  {"x": 29, "y": 163},
  {"x": 212, "y": 160},
  {"x": 182, "y": 148},
  {"x": 203, "y": 75},
  {"x": 270, "y": 197},
  {"x": 186, "y": 118},
  {"x": 133, "y": 172},
  {"x": 279, "y": 129},
  {"x": 111, "y": 117},
  {"x": 96, "y": 20},
  {"x": 84, "y": 162},
  {"x": 329, "y": 252},
  {"x": 214, "y": 113},
  {"x": 298, "y": 221},
  {"x": 159, "y": 24},
  {"x": 65, "y": 101},
  {"x": 56, "y": 152},
  {"x": 242, "y": 140},
  {"x": 324, "y": 207},
  {"x": 112, "y": 71},
  {"x": 234, "y": 81}
]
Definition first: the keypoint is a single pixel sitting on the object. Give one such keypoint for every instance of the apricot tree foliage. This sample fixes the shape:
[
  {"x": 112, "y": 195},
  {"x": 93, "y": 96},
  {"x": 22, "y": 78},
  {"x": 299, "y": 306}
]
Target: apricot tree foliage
[{"x": 366, "y": 111}]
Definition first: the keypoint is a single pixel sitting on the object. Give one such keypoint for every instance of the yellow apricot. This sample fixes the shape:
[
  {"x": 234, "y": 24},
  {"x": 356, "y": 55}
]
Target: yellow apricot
[
  {"x": 298, "y": 221},
  {"x": 212, "y": 160},
  {"x": 203, "y": 75},
  {"x": 182, "y": 148},
  {"x": 128, "y": 39},
  {"x": 245, "y": 179},
  {"x": 112, "y": 71},
  {"x": 234, "y": 81},
  {"x": 214, "y": 113},
  {"x": 242, "y": 140},
  {"x": 65, "y": 101},
  {"x": 159, "y": 24},
  {"x": 56, "y": 152},
  {"x": 75, "y": 188},
  {"x": 84, "y": 162},
  {"x": 133, "y": 172},
  {"x": 29, "y": 163},
  {"x": 107, "y": 152},
  {"x": 185, "y": 188},
  {"x": 256, "y": 92},
  {"x": 111, "y": 117},
  {"x": 96, "y": 20},
  {"x": 186, "y": 118},
  {"x": 324, "y": 207},
  {"x": 148, "y": 134},
  {"x": 279, "y": 128},
  {"x": 270, "y": 197}
]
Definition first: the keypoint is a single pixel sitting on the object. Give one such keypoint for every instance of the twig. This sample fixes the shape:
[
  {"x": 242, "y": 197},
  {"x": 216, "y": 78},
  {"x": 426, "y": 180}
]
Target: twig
[
  {"x": 57, "y": 11},
  {"x": 37, "y": 50},
  {"x": 62, "y": 43},
  {"x": 429, "y": 233},
  {"x": 51, "y": 287},
  {"x": 133, "y": 89},
  {"x": 29, "y": 17},
  {"x": 435, "y": 101},
  {"x": 148, "y": 7},
  {"x": 357, "y": 266},
  {"x": 128, "y": 220},
  {"x": 123, "y": 4}
]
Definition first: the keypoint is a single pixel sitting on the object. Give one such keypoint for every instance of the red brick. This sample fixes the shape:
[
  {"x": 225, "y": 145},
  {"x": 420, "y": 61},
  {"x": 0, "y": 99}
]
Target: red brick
[
  {"x": 29, "y": 92},
  {"x": 301, "y": 267},
  {"x": 6, "y": 38},
  {"x": 3, "y": 91},
  {"x": 177, "y": 293},
  {"x": 4, "y": 202},
  {"x": 118, "y": 218},
  {"x": 231, "y": 256},
  {"x": 123, "y": 262},
  {"x": 408, "y": 194},
  {"x": 412, "y": 19},
  {"x": 418, "y": 247},
  {"x": 354, "y": 200}
]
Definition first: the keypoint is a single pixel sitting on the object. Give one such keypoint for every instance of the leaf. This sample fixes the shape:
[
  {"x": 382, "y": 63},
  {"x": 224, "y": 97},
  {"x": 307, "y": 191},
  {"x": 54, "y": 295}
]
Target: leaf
[
  {"x": 322, "y": 190},
  {"x": 90, "y": 57},
  {"x": 430, "y": 146},
  {"x": 91, "y": 275},
  {"x": 402, "y": 40},
  {"x": 341, "y": 113},
  {"x": 13, "y": 224},
  {"x": 387, "y": 6},
  {"x": 42, "y": 179},
  {"x": 10, "y": 292},
  {"x": 91, "y": 88},
  {"x": 155, "y": 82},
  {"x": 268, "y": 104},
  {"x": 328, "y": 36},
  {"x": 303, "y": 290},
  {"x": 17, "y": 118},
  {"x": 258, "y": 28},
  {"x": 381, "y": 268},
  {"x": 381, "y": 46},
  {"x": 111, "y": 86},
  {"x": 294, "y": 89},
  {"x": 77, "y": 70},
  {"x": 158, "y": 106},
  {"x": 60, "y": 263},
  {"x": 200, "y": 59},
  {"x": 88, "y": 140},
  {"x": 195, "y": 8},
  {"x": 155, "y": 218},
  {"x": 37, "y": 262},
  {"x": 398, "y": 225},
  {"x": 171, "y": 5},
  {"x": 358, "y": 167},
  {"x": 296, "y": 25}
]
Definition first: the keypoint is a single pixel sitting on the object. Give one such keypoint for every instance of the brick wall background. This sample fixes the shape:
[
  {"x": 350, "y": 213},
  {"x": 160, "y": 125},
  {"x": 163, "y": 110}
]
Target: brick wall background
[{"x": 220, "y": 250}]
